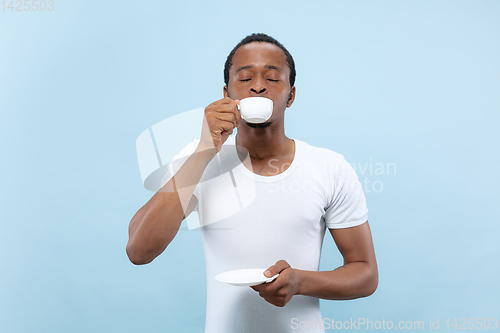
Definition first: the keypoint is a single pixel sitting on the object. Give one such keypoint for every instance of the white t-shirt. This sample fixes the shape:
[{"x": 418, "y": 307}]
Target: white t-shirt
[{"x": 252, "y": 221}]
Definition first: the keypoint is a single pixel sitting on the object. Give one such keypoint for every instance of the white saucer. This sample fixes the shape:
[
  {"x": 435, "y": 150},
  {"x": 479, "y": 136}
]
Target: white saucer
[{"x": 245, "y": 277}]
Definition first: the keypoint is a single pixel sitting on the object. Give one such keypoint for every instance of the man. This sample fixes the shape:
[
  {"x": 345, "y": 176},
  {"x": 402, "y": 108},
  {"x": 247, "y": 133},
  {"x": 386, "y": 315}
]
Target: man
[{"x": 300, "y": 191}]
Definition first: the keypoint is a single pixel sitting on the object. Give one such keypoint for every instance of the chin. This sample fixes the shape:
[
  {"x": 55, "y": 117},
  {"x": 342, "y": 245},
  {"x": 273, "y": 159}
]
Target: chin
[{"x": 260, "y": 125}]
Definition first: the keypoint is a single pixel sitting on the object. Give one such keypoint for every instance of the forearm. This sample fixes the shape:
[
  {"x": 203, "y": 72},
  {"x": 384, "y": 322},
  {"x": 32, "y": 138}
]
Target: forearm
[
  {"x": 353, "y": 280},
  {"x": 156, "y": 224}
]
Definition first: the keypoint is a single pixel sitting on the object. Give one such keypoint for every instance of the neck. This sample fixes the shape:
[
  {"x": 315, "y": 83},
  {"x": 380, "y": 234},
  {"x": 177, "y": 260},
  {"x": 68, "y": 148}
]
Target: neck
[{"x": 263, "y": 143}]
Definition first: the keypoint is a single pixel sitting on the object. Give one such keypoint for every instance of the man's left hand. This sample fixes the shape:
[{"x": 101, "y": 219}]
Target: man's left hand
[{"x": 282, "y": 289}]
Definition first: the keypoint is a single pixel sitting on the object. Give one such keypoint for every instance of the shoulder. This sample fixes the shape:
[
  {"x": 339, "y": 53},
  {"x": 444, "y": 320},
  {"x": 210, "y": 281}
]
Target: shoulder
[
  {"x": 320, "y": 154},
  {"x": 324, "y": 163}
]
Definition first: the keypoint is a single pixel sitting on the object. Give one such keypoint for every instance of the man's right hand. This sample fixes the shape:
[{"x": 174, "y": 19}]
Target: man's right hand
[{"x": 221, "y": 117}]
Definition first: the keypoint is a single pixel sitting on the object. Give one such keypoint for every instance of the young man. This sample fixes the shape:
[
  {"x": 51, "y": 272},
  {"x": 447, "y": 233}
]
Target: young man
[{"x": 299, "y": 192}]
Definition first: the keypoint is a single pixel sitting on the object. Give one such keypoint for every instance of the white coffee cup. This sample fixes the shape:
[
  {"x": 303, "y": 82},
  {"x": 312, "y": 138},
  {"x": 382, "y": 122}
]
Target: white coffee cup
[{"x": 256, "y": 110}]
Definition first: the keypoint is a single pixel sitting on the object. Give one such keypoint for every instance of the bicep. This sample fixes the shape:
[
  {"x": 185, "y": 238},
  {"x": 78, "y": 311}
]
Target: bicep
[{"x": 355, "y": 243}]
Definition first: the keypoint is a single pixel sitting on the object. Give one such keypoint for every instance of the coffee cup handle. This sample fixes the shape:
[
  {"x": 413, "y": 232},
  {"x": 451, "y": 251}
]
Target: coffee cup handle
[{"x": 239, "y": 109}]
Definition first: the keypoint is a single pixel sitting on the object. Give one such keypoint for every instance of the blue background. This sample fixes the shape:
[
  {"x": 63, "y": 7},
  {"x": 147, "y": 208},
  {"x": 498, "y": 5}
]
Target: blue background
[{"x": 414, "y": 83}]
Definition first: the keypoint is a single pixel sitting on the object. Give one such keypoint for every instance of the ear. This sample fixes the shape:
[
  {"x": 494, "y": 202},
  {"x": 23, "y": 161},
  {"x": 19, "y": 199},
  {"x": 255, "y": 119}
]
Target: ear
[
  {"x": 225, "y": 92},
  {"x": 291, "y": 98}
]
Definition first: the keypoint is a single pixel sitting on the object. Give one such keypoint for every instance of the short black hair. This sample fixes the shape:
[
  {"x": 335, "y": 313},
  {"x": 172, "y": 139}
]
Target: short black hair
[{"x": 260, "y": 37}]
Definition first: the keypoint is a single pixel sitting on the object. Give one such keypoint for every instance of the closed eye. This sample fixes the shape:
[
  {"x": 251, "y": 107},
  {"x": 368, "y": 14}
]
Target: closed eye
[
  {"x": 245, "y": 80},
  {"x": 273, "y": 80}
]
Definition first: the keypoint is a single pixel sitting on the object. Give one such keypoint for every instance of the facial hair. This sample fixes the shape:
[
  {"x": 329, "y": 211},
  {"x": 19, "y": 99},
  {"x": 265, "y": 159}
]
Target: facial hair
[{"x": 261, "y": 125}]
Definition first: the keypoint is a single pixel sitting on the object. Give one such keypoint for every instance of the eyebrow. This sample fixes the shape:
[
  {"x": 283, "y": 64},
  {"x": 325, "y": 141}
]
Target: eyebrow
[{"x": 266, "y": 66}]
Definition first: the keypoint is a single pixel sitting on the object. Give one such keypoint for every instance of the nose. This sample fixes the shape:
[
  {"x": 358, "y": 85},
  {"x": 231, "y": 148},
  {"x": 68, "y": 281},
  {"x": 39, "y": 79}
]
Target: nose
[
  {"x": 258, "y": 87},
  {"x": 258, "y": 91}
]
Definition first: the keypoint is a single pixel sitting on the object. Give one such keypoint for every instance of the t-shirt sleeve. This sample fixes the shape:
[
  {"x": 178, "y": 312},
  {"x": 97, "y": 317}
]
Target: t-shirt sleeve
[
  {"x": 346, "y": 205},
  {"x": 177, "y": 163}
]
